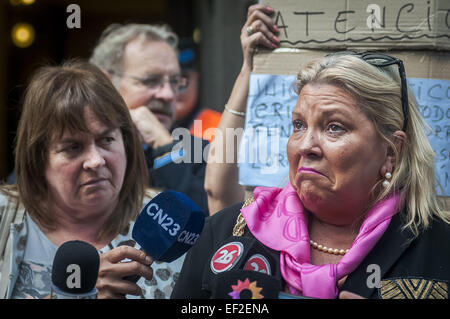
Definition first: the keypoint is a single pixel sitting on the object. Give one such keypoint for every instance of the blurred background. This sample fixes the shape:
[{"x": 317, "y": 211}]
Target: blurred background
[{"x": 34, "y": 33}]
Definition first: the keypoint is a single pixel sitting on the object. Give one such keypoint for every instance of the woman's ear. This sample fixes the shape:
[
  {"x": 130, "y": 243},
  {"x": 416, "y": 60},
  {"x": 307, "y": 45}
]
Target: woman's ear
[{"x": 398, "y": 139}]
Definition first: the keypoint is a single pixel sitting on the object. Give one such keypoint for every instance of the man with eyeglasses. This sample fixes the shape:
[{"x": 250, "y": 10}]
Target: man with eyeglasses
[{"x": 142, "y": 62}]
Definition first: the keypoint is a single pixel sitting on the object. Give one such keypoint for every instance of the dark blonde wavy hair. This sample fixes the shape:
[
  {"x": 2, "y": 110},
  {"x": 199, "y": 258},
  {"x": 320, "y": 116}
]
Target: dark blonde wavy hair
[{"x": 54, "y": 101}]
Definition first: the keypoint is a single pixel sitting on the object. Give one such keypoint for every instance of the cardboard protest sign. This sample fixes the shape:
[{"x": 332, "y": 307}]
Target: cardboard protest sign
[
  {"x": 262, "y": 156},
  {"x": 433, "y": 97},
  {"x": 325, "y": 24}
]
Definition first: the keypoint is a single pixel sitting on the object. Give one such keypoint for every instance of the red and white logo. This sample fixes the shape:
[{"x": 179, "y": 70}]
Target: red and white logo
[
  {"x": 226, "y": 257},
  {"x": 259, "y": 263}
]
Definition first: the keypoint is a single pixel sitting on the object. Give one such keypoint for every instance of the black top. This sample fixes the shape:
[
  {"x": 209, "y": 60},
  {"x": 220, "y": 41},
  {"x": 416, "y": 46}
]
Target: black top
[
  {"x": 409, "y": 267},
  {"x": 187, "y": 178}
]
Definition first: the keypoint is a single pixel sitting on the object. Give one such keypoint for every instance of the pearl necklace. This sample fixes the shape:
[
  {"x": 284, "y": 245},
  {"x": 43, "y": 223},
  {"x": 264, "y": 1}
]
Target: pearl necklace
[{"x": 325, "y": 249}]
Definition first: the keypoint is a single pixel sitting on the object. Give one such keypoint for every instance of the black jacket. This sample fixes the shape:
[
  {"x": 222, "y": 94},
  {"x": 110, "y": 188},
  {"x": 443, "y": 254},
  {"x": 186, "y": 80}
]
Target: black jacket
[
  {"x": 187, "y": 178},
  {"x": 409, "y": 267}
]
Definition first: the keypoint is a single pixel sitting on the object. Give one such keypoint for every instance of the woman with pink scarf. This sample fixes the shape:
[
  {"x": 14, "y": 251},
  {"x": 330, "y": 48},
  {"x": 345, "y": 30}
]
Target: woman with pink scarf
[{"x": 359, "y": 217}]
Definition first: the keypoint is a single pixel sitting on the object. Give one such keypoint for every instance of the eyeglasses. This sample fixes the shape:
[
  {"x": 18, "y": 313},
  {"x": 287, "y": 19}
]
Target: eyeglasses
[
  {"x": 178, "y": 83},
  {"x": 381, "y": 60}
]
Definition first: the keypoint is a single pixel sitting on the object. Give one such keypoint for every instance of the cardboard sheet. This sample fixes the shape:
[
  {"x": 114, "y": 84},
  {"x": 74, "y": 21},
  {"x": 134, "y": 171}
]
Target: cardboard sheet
[{"x": 399, "y": 24}]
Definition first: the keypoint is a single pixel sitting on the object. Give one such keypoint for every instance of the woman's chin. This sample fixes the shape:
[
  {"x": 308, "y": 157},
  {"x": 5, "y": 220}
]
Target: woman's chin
[
  {"x": 313, "y": 198},
  {"x": 97, "y": 200}
]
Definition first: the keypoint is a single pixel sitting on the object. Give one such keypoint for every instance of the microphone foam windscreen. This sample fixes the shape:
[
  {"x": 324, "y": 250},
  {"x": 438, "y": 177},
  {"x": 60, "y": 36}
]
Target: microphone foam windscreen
[
  {"x": 245, "y": 284},
  {"x": 168, "y": 226},
  {"x": 75, "y": 267}
]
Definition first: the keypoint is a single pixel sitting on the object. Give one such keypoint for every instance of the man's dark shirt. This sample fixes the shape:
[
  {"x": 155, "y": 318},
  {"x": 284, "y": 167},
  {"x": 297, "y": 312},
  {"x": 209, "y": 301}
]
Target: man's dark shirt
[{"x": 185, "y": 177}]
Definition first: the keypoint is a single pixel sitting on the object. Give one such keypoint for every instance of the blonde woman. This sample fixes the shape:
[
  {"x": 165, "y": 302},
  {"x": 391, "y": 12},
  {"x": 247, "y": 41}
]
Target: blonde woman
[{"x": 359, "y": 217}]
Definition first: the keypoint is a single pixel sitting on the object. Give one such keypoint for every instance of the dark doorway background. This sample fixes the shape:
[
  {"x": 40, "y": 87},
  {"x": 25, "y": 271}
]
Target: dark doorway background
[{"x": 217, "y": 21}]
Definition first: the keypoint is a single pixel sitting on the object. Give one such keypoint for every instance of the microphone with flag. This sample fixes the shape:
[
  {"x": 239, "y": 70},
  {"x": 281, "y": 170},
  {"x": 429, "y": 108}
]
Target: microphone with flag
[
  {"x": 75, "y": 271},
  {"x": 243, "y": 268},
  {"x": 245, "y": 253}
]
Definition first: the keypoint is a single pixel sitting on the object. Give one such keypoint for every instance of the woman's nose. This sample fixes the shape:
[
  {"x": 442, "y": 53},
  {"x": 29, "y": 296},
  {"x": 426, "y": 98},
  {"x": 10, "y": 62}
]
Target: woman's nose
[
  {"x": 94, "y": 158},
  {"x": 309, "y": 144}
]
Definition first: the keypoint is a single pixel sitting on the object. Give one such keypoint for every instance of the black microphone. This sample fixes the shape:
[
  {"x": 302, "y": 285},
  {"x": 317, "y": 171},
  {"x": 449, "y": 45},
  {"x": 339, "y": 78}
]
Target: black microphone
[
  {"x": 75, "y": 271},
  {"x": 168, "y": 226}
]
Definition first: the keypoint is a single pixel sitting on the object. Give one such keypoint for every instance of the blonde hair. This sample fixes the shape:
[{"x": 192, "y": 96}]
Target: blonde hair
[{"x": 377, "y": 91}]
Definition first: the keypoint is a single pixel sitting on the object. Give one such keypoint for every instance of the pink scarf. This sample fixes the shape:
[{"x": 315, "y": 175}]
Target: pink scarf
[{"x": 276, "y": 218}]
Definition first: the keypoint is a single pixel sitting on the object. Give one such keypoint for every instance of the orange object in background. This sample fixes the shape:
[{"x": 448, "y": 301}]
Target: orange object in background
[{"x": 209, "y": 121}]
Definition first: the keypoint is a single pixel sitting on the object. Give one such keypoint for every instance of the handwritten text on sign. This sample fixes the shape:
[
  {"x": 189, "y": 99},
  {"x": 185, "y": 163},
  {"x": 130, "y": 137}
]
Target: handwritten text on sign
[
  {"x": 262, "y": 156},
  {"x": 372, "y": 22}
]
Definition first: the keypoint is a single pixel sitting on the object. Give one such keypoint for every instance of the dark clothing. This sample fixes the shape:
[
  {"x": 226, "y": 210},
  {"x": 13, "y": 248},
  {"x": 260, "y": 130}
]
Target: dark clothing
[
  {"x": 187, "y": 178},
  {"x": 188, "y": 120},
  {"x": 409, "y": 268}
]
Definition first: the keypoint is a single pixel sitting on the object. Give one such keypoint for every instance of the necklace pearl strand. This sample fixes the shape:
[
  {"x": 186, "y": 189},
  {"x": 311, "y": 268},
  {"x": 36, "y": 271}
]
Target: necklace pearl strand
[{"x": 325, "y": 249}]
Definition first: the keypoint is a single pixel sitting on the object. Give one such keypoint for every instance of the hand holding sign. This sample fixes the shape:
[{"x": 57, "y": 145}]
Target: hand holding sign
[{"x": 259, "y": 29}]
